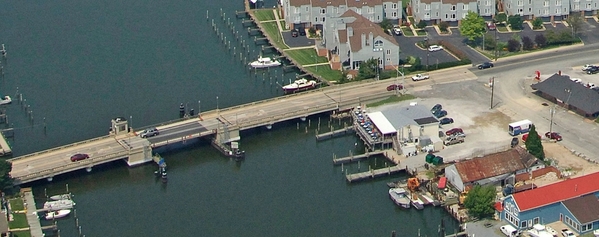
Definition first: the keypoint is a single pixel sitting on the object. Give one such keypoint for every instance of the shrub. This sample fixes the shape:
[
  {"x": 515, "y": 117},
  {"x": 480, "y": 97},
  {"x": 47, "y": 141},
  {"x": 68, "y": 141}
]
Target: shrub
[
  {"x": 515, "y": 22},
  {"x": 454, "y": 50},
  {"x": 421, "y": 25},
  {"x": 527, "y": 43},
  {"x": 513, "y": 45},
  {"x": 537, "y": 23},
  {"x": 541, "y": 40},
  {"x": 443, "y": 26}
]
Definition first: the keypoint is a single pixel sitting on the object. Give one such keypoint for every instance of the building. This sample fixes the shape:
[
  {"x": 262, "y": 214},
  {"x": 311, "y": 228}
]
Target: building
[
  {"x": 451, "y": 11},
  {"x": 494, "y": 169},
  {"x": 314, "y": 13},
  {"x": 352, "y": 39},
  {"x": 548, "y": 10},
  {"x": 570, "y": 94},
  {"x": 587, "y": 7},
  {"x": 575, "y": 202}
]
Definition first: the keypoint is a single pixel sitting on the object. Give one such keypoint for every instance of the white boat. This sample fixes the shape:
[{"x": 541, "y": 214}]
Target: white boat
[
  {"x": 5, "y": 100},
  {"x": 399, "y": 196},
  {"x": 61, "y": 197},
  {"x": 57, "y": 214},
  {"x": 59, "y": 205},
  {"x": 596, "y": 233},
  {"x": 264, "y": 62},
  {"x": 300, "y": 84},
  {"x": 417, "y": 203},
  {"x": 539, "y": 230}
]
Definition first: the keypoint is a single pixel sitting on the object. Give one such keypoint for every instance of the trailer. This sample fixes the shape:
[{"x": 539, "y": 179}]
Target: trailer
[{"x": 520, "y": 127}]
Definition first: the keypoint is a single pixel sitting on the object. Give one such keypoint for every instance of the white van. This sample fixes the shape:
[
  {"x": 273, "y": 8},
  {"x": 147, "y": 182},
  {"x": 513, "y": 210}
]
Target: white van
[{"x": 509, "y": 230}]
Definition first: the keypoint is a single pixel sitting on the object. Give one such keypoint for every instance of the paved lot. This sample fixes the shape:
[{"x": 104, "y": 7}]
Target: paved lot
[
  {"x": 300, "y": 41},
  {"x": 409, "y": 48},
  {"x": 457, "y": 40}
]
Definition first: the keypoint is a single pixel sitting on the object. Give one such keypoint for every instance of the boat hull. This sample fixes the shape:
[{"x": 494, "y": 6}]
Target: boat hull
[
  {"x": 60, "y": 197},
  {"x": 57, "y": 214},
  {"x": 288, "y": 89}
]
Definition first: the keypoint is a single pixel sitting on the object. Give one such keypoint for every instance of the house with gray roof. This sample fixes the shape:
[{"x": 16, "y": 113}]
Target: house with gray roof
[
  {"x": 570, "y": 94},
  {"x": 352, "y": 39}
]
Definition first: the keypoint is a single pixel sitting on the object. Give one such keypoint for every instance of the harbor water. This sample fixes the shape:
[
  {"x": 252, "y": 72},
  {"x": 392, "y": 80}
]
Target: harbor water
[{"x": 79, "y": 64}]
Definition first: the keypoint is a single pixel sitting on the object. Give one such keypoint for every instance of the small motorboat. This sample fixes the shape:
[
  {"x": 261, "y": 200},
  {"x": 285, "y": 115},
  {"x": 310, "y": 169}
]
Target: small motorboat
[
  {"x": 57, "y": 214},
  {"x": 399, "y": 196},
  {"x": 265, "y": 62},
  {"x": 5, "y": 100},
  {"x": 59, "y": 205},
  {"x": 300, "y": 84},
  {"x": 65, "y": 196}
]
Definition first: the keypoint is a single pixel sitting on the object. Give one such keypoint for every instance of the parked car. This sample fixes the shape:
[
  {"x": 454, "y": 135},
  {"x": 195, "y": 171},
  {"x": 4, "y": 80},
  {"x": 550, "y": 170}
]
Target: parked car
[
  {"x": 491, "y": 26},
  {"x": 553, "y": 136},
  {"x": 514, "y": 142},
  {"x": 577, "y": 80},
  {"x": 593, "y": 70},
  {"x": 434, "y": 48},
  {"x": 446, "y": 121},
  {"x": 525, "y": 136},
  {"x": 509, "y": 231},
  {"x": 396, "y": 30},
  {"x": 302, "y": 31},
  {"x": 150, "y": 132},
  {"x": 436, "y": 108},
  {"x": 294, "y": 33},
  {"x": 485, "y": 65},
  {"x": 393, "y": 87},
  {"x": 420, "y": 77},
  {"x": 453, "y": 140},
  {"x": 440, "y": 113},
  {"x": 453, "y": 131},
  {"x": 587, "y": 66},
  {"x": 567, "y": 233},
  {"x": 78, "y": 157}
]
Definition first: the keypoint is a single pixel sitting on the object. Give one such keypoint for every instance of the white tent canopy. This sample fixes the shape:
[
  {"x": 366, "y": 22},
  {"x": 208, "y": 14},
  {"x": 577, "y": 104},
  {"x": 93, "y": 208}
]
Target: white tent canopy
[{"x": 381, "y": 122}]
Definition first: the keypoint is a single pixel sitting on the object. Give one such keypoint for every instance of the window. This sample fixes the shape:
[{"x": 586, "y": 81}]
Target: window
[
  {"x": 316, "y": 19},
  {"x": 576, "y": 6},
  {"x": 394, "y": 14},
  {"x": 323, "y": 19},
  {"x": 307, "y": 9},
  {"x": 446, "y": 16},
  {"x": 384, "y": 6},
  {"x": 427, "y": 7},
  {"x": 558, "y": 3},
  {"x": 546, "y": 12},
  {"x": 394, "y": 6},
  {"x": 388, "y": 52},
  {"x": 545, "y": 3},
  {"x": 359, "y": 11},
  {"x": 378, "y": 43},
  {"x": 535, "y": 220},
  {"x": 453, "y": 16},
  {"x": 465, "y": 7},
  {"x": 587, "y": 227},
  {"x": 529, "y": 10},
  {"x": 520, "y": 10},
  {"x": 436, "y": 14},
  {"x": 529, "y": 2},
  {"x": 523, "y": 224},
  {"x": 323, "y": 11},
  {"x": 297, "y": 18},
  {"x": 487, "y": 10},
  {"x": 487, "y": 3},
  {"x": 296, "y": 10},
  {"x": 453, "y": 7},
  {"x": 520, "y": 3},
  {"x": 336, "y": 10},
  {"x": 557, "y": 10}
]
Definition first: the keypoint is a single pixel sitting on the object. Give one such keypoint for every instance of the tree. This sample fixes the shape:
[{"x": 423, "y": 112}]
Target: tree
[
  {"x": 473, "y": 26},
  {"x": 533, "y": 144},
  {"x": 515, "y": 22},
  {"x": 5, "y": 179},
  {"x": 513, "y": 45},
  {"x": 540, "y": 40},
  {"x": 443, "y": 26},
  {"x": 421, "y": 25},
  {"x": 368, "y": 69},
  {"x": 575, "y": 21},
  {"x": 480, "y": 201},
  {"x": 501, "y": 18},
  {"x": 386, "y": 24},
  {"x": 537, "y": 23},
  {"x": 489, "y": 42},
  {"x": 527, "y": 43}
]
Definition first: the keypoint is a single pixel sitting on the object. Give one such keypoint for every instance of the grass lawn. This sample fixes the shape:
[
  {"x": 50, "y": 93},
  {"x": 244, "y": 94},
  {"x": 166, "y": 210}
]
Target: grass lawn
[
  {"x": 272, "y": 30},
  {"x": 17, "y": 204},
  {"x": 306, "y": 56},
  {"x": 326, "y": 72},
  {"x": 406, "y": 31},
  {"x": 421, "y": 32},
  {"x": 21, "y": 234},
  {"x": 392, "y": 99},
  {"x": 20, "y": 221},
  {"x": 264, "y": 14},
  {"x": 501, "y": 28}
]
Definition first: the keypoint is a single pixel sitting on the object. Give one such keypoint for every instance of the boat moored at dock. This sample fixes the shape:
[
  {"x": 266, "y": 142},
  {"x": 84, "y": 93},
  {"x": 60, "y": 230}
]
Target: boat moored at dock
[
  {"x": 57, "y": 214},
  {"x": 300, "y": 84},
  {"x": 399, "y": 197},
  {"x": 265, "y": 62},
  {"x": 5, "y": 100},
  {"x": 65, "y": 196},
  {"x": 59, "y": 205}
]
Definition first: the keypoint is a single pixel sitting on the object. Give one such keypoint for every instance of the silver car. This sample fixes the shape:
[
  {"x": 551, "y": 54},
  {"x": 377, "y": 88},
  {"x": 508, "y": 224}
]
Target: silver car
[{"x": 150, "y": 132}]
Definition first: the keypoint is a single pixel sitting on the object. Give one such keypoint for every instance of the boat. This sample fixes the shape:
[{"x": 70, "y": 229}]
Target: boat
[
  {"x": 57, "y": 214},
  {"x": 65, "y": 196},
  {"x": 58, "y": 205},
  {"x": 265, "y": 62},
  {"x": 417, "y": 203},
  {"x": 399, "y": 196},
  {"x": 539, "y": 230},
  {"x": 299, "y": 84},
  {"x": 5, "y": 100},
  {"x": 596, "y": 233}
]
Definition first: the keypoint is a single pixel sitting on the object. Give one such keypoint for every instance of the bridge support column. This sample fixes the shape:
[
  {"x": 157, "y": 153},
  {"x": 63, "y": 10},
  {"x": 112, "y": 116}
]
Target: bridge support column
[
  {"x": 269, "y": 126},
  {"x": 88, "y": 169},
  {"x": 50, "y": 179},
  {"x": 139, "y": 155}
]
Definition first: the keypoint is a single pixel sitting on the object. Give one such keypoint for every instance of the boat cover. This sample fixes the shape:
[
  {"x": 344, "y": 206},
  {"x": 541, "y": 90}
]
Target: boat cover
[
  {"x": 381, "y": 122},
  {"x": 442, "y": 182}
]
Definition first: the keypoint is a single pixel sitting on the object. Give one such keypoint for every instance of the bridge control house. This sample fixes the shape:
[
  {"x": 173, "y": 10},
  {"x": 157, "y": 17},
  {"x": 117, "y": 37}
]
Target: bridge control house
[{"x": 575, "y": 202}]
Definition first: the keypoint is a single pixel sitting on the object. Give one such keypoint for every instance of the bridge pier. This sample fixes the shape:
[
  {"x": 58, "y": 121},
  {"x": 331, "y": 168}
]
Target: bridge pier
[
  {"x": 269, "y": 126},
  {"x": 88, "y": 169},
  {"x": 303, "y": 119},
  {"x": 50, "y": 179}
]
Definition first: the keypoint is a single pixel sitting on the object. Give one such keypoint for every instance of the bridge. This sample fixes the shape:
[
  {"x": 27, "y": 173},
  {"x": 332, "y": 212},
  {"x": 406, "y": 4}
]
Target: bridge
[{"x": 223, "y": 125}]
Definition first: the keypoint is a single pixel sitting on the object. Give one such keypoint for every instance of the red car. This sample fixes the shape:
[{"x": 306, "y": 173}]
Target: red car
[
  {"x": 394, "y": 87},
  {"x": 525, "y": 136},
  {"x": 78, "y": 157},
  {"x": 553, "y": 136},
  {"x": 454, "y": 131}
]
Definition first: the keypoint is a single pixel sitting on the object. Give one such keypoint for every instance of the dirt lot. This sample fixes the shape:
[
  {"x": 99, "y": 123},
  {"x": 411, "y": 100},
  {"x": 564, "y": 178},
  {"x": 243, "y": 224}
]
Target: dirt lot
[{"x": 570, "y": 164}]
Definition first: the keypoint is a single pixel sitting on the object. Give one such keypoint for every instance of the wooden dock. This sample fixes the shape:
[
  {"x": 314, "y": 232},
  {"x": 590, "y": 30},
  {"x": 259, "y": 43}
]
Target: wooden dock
[
  {"x": 4, "y": 146},
  {"x": 353, "y": 158},
  {"x": 371, "y": 174},
  {"x": 334, "y": 133}
]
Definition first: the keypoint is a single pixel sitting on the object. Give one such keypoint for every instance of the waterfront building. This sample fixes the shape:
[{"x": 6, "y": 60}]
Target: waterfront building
[
  {"x": 547, "y": 10},
  {"x": 451, "y": 11}
]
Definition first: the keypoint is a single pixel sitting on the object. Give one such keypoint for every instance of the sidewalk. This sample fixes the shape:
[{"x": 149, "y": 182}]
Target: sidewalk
[{"x": 32, "y": 217}]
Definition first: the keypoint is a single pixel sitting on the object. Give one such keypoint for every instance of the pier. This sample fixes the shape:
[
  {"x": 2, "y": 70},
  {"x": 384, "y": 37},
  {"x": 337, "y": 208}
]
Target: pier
[
  {"x": 337, "y": 132},
  {"x": 352, "y": 158},
  {"x": 374, "y": 173}
]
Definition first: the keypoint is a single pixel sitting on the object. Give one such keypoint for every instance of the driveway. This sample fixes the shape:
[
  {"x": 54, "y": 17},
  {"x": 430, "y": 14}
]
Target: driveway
[
  {"x": 299, "y": 41},
  {"x": 589, "y": 32},
  {"x": 457, "y": 40},
  {"x": 409, "y": 48}
]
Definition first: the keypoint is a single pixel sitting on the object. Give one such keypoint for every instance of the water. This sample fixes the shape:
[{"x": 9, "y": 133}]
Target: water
[{"x": 81, "y": 63}]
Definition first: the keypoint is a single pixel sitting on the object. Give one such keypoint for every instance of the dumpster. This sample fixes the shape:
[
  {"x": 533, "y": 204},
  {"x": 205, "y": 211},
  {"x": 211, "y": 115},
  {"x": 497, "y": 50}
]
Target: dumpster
[
  {"x": 437, "y": 160},
  {"x": 429, "y": 158}
]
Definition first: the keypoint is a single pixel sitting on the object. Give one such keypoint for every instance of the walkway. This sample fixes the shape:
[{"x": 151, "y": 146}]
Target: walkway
[{"x": 32, "y": 217}]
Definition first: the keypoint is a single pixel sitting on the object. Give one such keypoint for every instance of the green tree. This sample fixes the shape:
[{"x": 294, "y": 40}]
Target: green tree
[
  {"x": 533, "y": 144},
  {"x": 513, "y": 45},
  {"x": 5, "y": 179},
  {"x": 368, "y": 69},
  {"x": 501, "y": 18},
  {"x": 473, "y": 26},
  {"x": 515, "y": 22},
  {"x": 480, "y": 201},
  {"x": 443, "y": 26},
  {"x": 421, "y": 25},
  {"x": 537, "y": 23},
  {"x": 575, "y": 21},
  {"x": 489, "y": 42}
]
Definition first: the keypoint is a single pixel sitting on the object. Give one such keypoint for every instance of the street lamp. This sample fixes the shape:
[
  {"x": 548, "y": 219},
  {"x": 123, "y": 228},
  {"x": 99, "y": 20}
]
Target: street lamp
[
  {"x": 199, "y": 108},
  {"x": 403, "y": 78}
]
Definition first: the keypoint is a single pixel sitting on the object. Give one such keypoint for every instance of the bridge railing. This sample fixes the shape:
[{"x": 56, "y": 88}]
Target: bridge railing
[{"x": 60, "y": 147}]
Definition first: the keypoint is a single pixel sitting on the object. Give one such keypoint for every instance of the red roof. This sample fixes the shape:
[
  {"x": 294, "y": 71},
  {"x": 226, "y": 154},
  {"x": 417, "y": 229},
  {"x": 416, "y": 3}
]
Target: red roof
[
  {"x": 557, "y": 192},
  {"x": 498, "y": 206}
]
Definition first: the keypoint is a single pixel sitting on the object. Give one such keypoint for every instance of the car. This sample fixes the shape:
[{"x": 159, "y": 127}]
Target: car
[
  {"x": 397, "y": 30},
  {"x": 577, "y": 80},
  {"x": 509, "y": 231},
  {"x": 567, "y": 233},
  {"x": 150, "y": 132},
  {"x": 593, "y": 70},
  {"x": 525, "y": 136},
  {"x": 440, "y": 113},
  {"x": 294, "y": 33},
  {"x": 453, "y": 140},
  {"x": 420, "y": 77},
  {"x": 79, "y": 156},
  {"x": 446, "y": 121},
  {"x": 590, "y": 85},
  {"x": 485, "y": 65},
  {"x": 302, "y": 31},
  {"x": 587, "y": 66},
  {"x": 434, "y": 48},
  {"x": 553, "y": 136},
  {"x": 436, "y": 108},
  {"x": 393, "y": 87},
  {"x": 454, "y": 131},
  {"x": 514, "y": 142},
  {"x": 491, "y": 26}
]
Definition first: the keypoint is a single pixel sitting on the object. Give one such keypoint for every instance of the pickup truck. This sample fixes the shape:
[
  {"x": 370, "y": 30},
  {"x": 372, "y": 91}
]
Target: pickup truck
[{"x": 420, "y": 77}]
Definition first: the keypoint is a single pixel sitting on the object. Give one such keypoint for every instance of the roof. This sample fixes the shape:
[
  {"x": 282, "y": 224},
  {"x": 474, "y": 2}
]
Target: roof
[
  {"x": 360, "y": 26},
  {"x": 575, "y": 94},
  {"x": 557, "y": 192},
  {"x": 492, "y": 165},
  {"x": 381, "y": 122},
  {"x": 585, "y": 208},
  {"x": 299, "y": 3},
  {"x": 360, "y": 3},
  {"x": 325, "y": 3},
  {"x": 449, "y": 2}
]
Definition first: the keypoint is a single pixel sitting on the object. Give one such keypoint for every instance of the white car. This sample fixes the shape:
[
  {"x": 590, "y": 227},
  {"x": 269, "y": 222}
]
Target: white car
[
  {"x": 567, "y": 233},
  {"x": 420, "y": 77},
  {"x": 434, "y": 48},
  {"x": 397, "y": 30},
  {"x": 587, "y": 67},
  {"x": 577, "y": 80}
]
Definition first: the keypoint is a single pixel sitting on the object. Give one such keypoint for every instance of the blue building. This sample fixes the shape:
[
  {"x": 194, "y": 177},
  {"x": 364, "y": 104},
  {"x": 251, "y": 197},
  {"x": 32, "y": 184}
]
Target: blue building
[{"x": 575, "y": 202}]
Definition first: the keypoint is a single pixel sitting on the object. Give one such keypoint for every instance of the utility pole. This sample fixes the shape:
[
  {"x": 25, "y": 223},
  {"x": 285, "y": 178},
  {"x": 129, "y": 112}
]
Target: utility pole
[
  {"x": 492, "y": 90},
  {"x": 552, "y": 112}
]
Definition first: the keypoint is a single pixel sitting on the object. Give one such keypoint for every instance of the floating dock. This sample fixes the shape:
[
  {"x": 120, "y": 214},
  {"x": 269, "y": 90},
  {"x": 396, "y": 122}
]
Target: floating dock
[
  {"x": 353, "y": 158},
  {"x": 337, "y": 132},
  {"x": 374, "y": 173}
]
